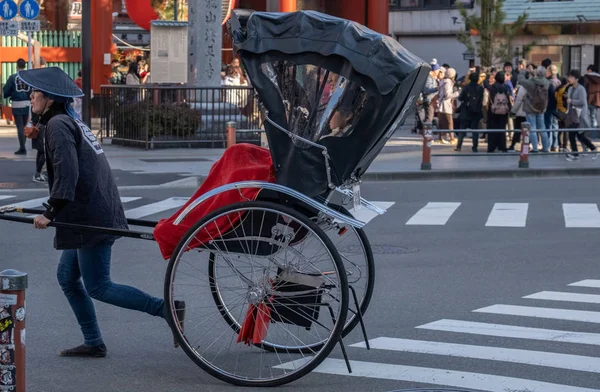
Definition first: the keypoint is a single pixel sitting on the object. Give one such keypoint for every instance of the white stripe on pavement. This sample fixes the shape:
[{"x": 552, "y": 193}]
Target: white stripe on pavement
[
  {"x": 29, "y": 203},
  {"x": 129, "y": 199},
  {"x": 548, "y": 313},
  {"x": 3, "y": 197},
  {"x": 566, "y": 297},
  {"x": 436, "y": 214},
  {"x": 155, "y": 208},
  {"x": 511, "y": 331},
  {"x": 594, "y": 283},
  {"x": 366, "y": 215},
  {"x": 581, "y": 215},
  {"x": 508, "y": 215},
  {"x": 526, "y": 357},
  {"x": 444, "y": 377}
]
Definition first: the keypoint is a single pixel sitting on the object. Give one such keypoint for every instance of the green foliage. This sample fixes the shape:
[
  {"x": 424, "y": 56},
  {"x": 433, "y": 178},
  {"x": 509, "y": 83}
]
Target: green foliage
[
  {"x": 496, "y": 38},
  {"x": 166, "y": 9}
]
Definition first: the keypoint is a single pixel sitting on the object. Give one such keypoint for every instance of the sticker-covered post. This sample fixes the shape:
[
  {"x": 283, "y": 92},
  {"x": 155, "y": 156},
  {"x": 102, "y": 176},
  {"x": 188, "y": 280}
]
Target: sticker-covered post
[{"x": 12, "y": 330}]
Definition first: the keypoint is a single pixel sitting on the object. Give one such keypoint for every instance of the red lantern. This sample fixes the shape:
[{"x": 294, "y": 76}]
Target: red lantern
[{"x": 141, "y": 12}]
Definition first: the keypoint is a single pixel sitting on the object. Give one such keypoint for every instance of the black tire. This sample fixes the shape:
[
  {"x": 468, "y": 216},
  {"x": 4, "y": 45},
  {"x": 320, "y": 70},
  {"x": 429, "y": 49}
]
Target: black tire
[{"x": 324, "y": 349}]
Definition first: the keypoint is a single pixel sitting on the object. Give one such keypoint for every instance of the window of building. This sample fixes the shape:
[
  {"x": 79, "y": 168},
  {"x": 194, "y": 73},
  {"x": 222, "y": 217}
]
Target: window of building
[
  {"x": 401, "y": 5},
  {"x": 575, "y": 57}
]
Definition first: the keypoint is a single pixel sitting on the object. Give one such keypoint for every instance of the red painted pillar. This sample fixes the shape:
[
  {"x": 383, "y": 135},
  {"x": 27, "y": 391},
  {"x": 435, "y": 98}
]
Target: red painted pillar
[
  {"x": 378, "y": 13},
  {"x": 287, "y": 5},
  {"x": 102, "y": 42}
]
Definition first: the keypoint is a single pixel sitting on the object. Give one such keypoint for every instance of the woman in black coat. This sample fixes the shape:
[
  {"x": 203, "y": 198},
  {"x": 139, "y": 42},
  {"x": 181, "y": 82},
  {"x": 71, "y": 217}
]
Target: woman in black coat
[{"x": 498, "y": 114}]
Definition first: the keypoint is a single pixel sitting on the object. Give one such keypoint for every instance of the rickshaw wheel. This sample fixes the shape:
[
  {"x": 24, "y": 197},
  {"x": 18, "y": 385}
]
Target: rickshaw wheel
[
  {"x": 263, "y": 271},
  {"x": 351, "y": 266}
]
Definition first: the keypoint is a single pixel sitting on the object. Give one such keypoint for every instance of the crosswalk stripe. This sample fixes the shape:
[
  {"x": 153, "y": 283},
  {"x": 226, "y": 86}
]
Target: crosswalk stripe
[
  {"x": 123, "y": 200},
  {"x": 129, "y": 199},
  {"x": 512, "y": 331},
  {"x": 548, "y": 313},
  {"x": 508, "y": 215},
  {"x": 443, "y": 377},
  {"x": 366, "y": 215},
  {"x": 436, "y": 214},
  {"x": 155, "y": 208},
  {"x": 566, "y": 297},
  {"x": 594, "y": 283},
  {"x": 585, "y": 215},
  {"x": 29, "y": 203},
  {"x": 526, "y": 357},
  {"x": 3, "y": 197}
]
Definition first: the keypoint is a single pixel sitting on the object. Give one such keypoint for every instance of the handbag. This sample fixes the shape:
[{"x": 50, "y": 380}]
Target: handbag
[{"x": 572, "y": 118}]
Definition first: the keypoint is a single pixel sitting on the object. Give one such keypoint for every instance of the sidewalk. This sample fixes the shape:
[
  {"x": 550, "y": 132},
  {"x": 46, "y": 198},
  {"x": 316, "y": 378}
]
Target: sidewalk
[{"x": 399, "y": 160}]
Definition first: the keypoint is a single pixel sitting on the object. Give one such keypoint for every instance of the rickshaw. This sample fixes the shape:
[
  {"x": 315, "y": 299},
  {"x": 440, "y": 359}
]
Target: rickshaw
[{"x": 280, "y": 271}]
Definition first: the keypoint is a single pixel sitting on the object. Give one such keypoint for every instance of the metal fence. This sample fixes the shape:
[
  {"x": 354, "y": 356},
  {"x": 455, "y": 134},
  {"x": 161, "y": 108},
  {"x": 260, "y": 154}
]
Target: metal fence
[
  {"x": 47, "y": 38},
  {"x": 153, "y": 116}
]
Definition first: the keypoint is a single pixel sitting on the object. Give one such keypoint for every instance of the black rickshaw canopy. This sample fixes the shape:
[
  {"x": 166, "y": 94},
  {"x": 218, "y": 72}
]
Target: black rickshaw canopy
[{"x": 333, "y": 83}]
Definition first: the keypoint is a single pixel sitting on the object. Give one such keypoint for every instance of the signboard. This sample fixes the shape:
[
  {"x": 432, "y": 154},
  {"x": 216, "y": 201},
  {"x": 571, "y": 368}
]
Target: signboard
[
  {"x": 75, "y": 15},
  {"x": 169, "y": 53},
  {"x": 8, "y": 9},
  {"x": 9, "y": 28},
  {"x": 29, "y": 9},
  {"x": 29, "y": 25}
]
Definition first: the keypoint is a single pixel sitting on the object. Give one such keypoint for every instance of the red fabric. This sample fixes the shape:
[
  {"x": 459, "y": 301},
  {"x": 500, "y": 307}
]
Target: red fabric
[
  {"x": 241, "y": 162},
  {"x": 141, "y": 12},
  {"x": 256, "y": 324}
]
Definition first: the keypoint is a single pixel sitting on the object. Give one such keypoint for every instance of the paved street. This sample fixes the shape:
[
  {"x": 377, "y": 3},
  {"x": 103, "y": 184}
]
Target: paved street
[{"x": 488, "y": 285}]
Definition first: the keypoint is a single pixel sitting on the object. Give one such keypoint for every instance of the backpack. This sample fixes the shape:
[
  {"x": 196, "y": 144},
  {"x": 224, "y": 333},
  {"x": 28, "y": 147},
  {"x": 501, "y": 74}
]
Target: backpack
[
  {"x": 539, "y": 99},
  {"x": 500, "y": 104},
  {"x": 473, "y": 102}
]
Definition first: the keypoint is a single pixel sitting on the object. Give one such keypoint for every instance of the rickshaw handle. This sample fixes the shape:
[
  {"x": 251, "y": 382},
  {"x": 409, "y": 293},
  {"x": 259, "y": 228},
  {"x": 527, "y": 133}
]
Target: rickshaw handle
[
  {"x": 103, "y": 230},
  {"x": 131, "y": 222}
]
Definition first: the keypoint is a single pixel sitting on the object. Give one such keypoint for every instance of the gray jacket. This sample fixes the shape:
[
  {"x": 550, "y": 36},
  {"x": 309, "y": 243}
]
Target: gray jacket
[
  {"x": 530, "y": 85},
  {"x": 80, "y": 177},
  {"x": 578, "y": 97}
]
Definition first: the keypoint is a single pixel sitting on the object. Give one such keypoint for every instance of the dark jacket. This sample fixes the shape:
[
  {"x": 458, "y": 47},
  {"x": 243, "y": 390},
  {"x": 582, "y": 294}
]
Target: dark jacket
[
  {"x": 82, "y": 188},
  {"x": 19, "y": 94},
  {"x": 551, "y": 98},
  {"x": 471, "y": 90},
  {"x": 497, "y": 121}
]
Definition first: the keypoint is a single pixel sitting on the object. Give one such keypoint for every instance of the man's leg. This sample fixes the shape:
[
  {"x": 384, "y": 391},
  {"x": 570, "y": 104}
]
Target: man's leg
[
  {"x": 69, "y": 278},
  {"x": 20, "y": 122},
  {"x": 531, "y": 119},
  {"x": 542, "y": 127}
]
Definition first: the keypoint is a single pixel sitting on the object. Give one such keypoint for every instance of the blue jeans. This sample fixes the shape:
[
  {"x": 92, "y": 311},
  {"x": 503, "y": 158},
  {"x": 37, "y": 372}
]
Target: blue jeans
[
  {"x": 92, "y": 264},
  {"x": 537, "y": 124},
  {"x": 551, "y": 123}
]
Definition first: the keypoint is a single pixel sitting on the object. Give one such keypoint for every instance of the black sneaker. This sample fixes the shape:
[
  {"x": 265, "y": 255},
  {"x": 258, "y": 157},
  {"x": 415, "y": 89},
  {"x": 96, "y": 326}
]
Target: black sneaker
[
  {"x": 21, "y": 151},
  {"x": 180, "y": 312},
  {"x": 84, "y": 351}
]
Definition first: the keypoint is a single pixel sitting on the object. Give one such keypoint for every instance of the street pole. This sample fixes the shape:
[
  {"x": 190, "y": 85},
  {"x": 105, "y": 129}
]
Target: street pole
[
  {"x": 29, "y": 66},
  {"x": 176, "y": 9},
  {"x": 86, "y": 51}
]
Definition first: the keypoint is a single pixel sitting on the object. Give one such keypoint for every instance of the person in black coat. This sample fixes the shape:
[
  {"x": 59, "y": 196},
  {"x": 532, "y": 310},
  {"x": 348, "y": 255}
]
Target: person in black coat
[
  {"x": 471, "y": 110},
  {"x": 498, "y": 114},
  {"x": 82, "y": 191}
]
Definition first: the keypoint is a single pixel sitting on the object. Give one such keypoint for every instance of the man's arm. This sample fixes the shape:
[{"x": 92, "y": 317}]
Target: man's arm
[{"x": 9, "y": 87}]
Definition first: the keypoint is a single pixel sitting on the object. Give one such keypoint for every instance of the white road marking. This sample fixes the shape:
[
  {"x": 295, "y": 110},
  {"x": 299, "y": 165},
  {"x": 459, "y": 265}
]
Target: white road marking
[
  {"x": 442, "y": 377},
  {"x": 594, "y": 283},
  {"x": 436, "y": 214},
  {"x": 526, "y": 357},
  {"x": 548, "y": 313},
  {"x": 155, "y": 208},
  {"x": 366, "y": 215},
  {"x": 512, "y": 331},
  {"x": 29, "y": 203},
  {"x": 585, "y": 215},
  {"x": 4, "y": 197},
  {"x": 129, "y": 199},
  {"x": 508, "y": 215},
  {"x": 566, "y": 297}
]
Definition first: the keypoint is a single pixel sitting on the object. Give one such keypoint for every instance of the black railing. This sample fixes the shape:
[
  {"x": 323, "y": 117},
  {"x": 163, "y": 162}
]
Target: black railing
[
  {"x": 153, "y": 116},
  {"x": 412, "y": 5}
]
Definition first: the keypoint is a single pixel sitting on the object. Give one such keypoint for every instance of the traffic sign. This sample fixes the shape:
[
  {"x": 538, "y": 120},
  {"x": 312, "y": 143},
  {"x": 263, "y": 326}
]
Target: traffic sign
[
  {"x": 29, "y": 25},
  {"x": 29, "y": 9},
  {"x": 9, "y": 28},
  {"x": 8, "y": 9}
]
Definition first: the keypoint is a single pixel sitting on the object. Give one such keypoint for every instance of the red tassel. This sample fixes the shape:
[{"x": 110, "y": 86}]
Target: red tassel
[
  {"x": 247, "y": 330},
  {"x": 261, "y": 326}
]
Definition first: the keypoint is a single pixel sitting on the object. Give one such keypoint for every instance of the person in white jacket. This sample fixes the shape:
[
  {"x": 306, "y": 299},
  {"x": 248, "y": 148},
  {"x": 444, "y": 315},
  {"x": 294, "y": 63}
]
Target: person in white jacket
[{"x": 445, "y": 97}]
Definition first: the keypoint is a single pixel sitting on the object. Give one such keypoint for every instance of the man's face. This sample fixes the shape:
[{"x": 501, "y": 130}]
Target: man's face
[
  {"x": 39, "y": 103},
  {"x": 508, "y": 69},
  {"x": 522, "y": 66},
  {"x": 571, "y": 79}
]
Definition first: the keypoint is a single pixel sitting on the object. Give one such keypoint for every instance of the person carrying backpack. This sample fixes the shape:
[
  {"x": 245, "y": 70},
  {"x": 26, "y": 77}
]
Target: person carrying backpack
[
  {"x": 471, "y": 110},
  {"x": 498, "y": 111},
  {"x": 535, "y": 105}
]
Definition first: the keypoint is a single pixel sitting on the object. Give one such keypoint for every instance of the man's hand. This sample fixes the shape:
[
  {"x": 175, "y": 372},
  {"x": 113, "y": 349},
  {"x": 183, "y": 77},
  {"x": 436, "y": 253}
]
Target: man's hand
[{"x": 41, "y": 222}]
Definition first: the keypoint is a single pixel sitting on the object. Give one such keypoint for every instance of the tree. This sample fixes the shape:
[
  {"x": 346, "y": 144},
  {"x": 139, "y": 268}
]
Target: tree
[
  {"x": 166, "y": 9},
  {"x": 496, "y": 37}
]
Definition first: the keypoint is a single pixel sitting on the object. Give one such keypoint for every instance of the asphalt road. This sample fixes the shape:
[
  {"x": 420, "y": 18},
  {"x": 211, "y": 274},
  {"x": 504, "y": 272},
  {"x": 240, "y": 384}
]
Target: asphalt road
[{"x": 452, "y": 268}]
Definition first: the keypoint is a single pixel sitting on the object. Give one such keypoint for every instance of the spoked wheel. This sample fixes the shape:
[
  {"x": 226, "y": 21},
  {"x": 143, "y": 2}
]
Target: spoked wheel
[{"x": 259, "y": 281}]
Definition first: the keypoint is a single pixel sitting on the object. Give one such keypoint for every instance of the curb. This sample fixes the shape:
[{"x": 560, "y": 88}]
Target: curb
[{"x": 480, "y": 174}]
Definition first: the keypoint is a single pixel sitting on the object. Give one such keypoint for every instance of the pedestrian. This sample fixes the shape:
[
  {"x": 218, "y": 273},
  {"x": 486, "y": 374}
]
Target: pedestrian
[
  {"x": 535, "y": 104},
  {"x": 446, "y": 95},
  {"x": 82, "y": 191},
  {"x": 578, "y": 116},
  {"x": 471, "y": 110},
  {"x": 18, "y": 93},
  {"x": 498, "y": 111},
  {"x": 517, "y": 111}
]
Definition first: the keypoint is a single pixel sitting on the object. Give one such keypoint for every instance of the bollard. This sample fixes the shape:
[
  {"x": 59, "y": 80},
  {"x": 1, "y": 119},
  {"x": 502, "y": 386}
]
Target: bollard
[
  {"x": 524, "y": 156},
  {"x": 231, "y": 133},
  {"x": 427, "y": 140},
  {"x": 12, "y": 330}
]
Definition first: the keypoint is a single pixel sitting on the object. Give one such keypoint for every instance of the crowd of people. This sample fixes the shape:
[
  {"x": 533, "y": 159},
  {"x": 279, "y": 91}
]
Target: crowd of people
[{"x": 502, "y": 100}]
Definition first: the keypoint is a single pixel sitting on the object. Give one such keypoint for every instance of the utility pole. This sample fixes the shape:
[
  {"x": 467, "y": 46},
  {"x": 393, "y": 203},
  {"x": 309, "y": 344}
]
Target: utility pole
[{"x": 486, "y": 32}]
